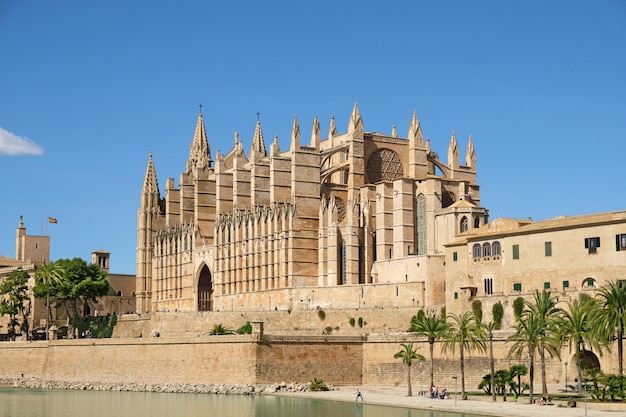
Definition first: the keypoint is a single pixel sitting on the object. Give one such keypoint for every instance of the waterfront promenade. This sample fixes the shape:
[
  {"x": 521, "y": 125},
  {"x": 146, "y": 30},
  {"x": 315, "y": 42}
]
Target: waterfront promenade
[{"x": 396, "y": 396}]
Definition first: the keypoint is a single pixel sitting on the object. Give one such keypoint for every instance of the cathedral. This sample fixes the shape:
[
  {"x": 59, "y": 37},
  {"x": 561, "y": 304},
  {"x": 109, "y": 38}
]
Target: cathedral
[{"x": 358, "y": 219}]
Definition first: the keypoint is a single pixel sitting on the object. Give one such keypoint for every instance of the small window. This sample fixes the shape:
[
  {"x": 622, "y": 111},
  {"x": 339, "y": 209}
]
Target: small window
[
  {"x": 592, "y": 243},
  {"x": 515, "y": 251},
  {"x": 589, "y": 283},
  {"x": 517, "y": 287},
  {"x": 488, "y": 283},
  {"x": 548, "y": 248},
  {"x": 456, "y": 295},
  {"x": 546, "y": 285},
  {"x": 455, "y": 256},
  {"x": 620, "y": 242},
  {"x": 565, "y": 285}
]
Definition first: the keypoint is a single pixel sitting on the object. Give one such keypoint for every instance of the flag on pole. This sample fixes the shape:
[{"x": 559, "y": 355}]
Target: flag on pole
[{"x": 52, "y": 220}]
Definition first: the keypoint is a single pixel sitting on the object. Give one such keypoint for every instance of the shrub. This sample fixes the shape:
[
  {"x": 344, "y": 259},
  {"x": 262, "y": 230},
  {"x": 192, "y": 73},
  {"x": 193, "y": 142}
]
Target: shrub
[
  {"x": 352, "y": 321},
  {"x": 219, "y": 330},
  {"x": 518, "y": 307},
  {"x": 321, "y": 314},
  {"x": 498, "y": 312},
  {"x": 318, "y": 385},
  {"x": 477, "y": 309},
  {"x": 328, "y": 330},
  {"x": 245, "y": 329},
  {"x": 360, "y": 321}
]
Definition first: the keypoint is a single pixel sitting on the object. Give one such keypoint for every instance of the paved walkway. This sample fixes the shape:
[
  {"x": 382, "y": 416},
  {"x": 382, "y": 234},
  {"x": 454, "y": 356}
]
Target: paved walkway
[{"x": 396, "y": 396}]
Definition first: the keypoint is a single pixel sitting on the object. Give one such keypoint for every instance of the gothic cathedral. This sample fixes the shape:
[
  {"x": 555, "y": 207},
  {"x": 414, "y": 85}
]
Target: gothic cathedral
[{"x": 358, "y": 219}]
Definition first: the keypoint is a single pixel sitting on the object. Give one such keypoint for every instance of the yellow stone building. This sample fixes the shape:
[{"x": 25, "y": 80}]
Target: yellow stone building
[{"x": 358, "y": 219}]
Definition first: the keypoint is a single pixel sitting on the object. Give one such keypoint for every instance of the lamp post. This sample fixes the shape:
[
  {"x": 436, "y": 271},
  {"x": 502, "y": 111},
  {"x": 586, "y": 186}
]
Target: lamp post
[
  {"x": 421, "y": 377},
  {"x": 456, "y": 393},
  {"x": 565, "y": 376},
  {"x": 585, "y": 385}
]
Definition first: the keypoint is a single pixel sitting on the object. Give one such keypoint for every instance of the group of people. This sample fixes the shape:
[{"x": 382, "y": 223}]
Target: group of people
[{"x": 436, "y": 394}]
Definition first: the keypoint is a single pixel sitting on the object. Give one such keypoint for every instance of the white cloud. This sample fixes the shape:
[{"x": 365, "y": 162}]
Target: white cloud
[{"x": 11, "y": 144}]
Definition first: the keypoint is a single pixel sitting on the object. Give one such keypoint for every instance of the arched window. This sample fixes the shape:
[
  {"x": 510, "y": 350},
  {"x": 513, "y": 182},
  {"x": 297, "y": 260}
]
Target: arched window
[
  {"x": 486, "y": 250},
  {"x": 476, "y": 222},
  {"x": 464, "y": 224},
  {"x": 589, "y": 283},
  {"x": 342, "y": 262},
  {"x": 476, "y": 251},
  {"x": 495, "y": 250},
  {"x": 421, "y": 238}
]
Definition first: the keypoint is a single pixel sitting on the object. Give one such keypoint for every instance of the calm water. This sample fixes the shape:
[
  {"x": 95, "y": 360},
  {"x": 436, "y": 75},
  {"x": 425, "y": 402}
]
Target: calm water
[{"x": 71, "y": 403}]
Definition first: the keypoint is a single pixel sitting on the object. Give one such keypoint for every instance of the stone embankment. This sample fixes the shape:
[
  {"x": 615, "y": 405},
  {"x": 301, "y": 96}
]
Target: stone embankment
[{"x": 246, "y": 389}]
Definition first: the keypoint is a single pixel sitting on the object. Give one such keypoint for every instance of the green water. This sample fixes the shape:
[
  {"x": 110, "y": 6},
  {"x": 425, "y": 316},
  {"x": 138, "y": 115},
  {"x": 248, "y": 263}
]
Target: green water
[{"x": 72, "y": 403}]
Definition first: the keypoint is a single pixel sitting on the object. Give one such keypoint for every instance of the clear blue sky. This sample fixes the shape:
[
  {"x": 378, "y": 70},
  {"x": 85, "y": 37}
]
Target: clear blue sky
[{"x": 89, "y": 88}]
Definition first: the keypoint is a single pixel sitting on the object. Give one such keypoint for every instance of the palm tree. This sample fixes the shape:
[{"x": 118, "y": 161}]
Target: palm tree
[
  {"x": 577, "y": 330},
  {"x": 545, "y": 309},
  {"x": 47, "y": 275},
  {"x": 611, "y": 316},
  {"x": 408, "y": 355},
  {"x": 467, "y": 333},
  {"x": 527, "y": 338},
  {"x": 490, "y": 327},
  {"x": 431, "y": 327}
]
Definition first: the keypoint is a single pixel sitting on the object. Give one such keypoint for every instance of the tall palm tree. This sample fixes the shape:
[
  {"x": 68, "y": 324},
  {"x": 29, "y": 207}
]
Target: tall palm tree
[
  {"x": 489, "y": 328},
  {"x": 47, "y": 275},
  {"x": 467, "y": 333},
  {"x": 433, "y": 328},
  {"x": 528, "y": 335},
  {"x": 577, "y": 330},
  {"x": 408, "y": 355},
  {"x": 545, "y": 309},
  {"x": 610, "y": 318}
]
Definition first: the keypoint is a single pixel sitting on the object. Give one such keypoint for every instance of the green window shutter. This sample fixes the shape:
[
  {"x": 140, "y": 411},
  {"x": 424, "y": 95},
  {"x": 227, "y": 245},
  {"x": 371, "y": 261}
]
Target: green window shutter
[
  {"x": 546, "y": 285},
  {"x": 456, "y": 295},
  {"x": 548, "y": 248},
  {"x": 515, "y": 251},
  {"x": 517, "y": 286},
  {"x": 565, "y": 284},
  {"x": 618, "y": 243},
  {"x": 455, "y": 256}
]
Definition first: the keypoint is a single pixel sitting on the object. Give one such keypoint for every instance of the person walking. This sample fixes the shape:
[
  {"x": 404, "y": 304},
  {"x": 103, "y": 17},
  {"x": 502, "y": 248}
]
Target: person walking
[{"x": 359, "y": 395}]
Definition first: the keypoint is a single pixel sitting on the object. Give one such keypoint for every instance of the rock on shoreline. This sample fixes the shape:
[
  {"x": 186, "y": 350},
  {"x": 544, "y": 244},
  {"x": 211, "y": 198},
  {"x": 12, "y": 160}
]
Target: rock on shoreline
[{"x": 246, "y": 389}]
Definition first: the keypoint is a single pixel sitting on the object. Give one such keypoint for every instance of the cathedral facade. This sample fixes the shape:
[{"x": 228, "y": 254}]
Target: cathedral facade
[{"x": 358, "y": 219}]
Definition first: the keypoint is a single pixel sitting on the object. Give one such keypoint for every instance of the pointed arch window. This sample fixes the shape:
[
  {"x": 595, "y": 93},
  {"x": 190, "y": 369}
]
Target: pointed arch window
[
  {"x": 464, "y": 224},
  {"x": 476, "y": 223},
  {"x": 421, "y": 237},
  {"x": 342, "y": 262}
]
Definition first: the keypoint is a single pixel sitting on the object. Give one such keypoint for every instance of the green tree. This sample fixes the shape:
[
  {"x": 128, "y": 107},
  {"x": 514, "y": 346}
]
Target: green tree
[
  {"x": 408, "y": 355},
  {"x": 477, "y": 309},
  {"x": 527, "y": 338},
  {"x": 610, "y": 318},
  {"x": 466, "y": 333},
  {"x": 431, "y": 327},
  {"x": 47, "y": 277},
  {"x": 16, "y": 303},
  {"x": 577, "y": 330},
  {"x": 518, "y": 307},
  {"x": 544, "y": 307},
  {"x": 79, "y": 283},
  {"x": 518, "y": 371}
]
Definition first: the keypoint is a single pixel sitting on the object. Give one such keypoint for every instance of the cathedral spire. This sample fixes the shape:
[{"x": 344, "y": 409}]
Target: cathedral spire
[
  {"x": 150, "y": 195},
  {"x": 199, "y": 151},
  {"x": 356, "y": 123},
  {"x": 332, "y": 130},
  {"x": 470, "y": 155},
  {"x": 315, "y": 134},
  {"x": 453, "y": 153},
  {"x": 257, "y": 150},
  {"x": 415, "y": 130},
  {"x": 295, "y": 135}
]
